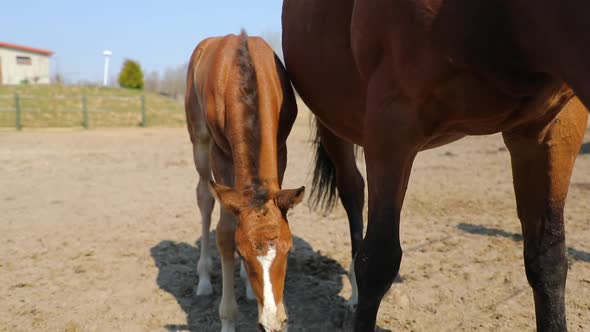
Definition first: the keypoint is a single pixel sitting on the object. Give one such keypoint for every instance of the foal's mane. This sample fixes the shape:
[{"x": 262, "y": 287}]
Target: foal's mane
[
  {"x": 248, "y": 82},
  {"x": 248, "y": 86}
]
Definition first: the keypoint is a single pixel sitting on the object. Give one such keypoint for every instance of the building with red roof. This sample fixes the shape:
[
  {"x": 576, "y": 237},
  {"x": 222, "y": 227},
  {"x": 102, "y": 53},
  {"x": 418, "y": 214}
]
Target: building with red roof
[{"x": 23, "y": 64}]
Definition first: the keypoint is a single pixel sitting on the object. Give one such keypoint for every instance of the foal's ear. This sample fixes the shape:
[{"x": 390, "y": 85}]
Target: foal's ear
[
  {"x": 288, "y": 198},
  {"x": 227, "y": 197}
]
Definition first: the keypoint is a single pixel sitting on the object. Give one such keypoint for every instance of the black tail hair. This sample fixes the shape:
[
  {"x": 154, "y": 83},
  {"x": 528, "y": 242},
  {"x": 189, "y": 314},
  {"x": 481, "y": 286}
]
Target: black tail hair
[{"x": 323, "y": 186}]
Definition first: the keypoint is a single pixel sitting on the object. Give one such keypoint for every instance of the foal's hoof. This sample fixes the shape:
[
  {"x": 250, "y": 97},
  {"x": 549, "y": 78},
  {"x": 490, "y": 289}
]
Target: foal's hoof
[
  {"x": 352, "y": 303},
  {"x": 204, "y": 288},
  {"x": 343, "y": 320},
  {"x": 228, "y": 326}
]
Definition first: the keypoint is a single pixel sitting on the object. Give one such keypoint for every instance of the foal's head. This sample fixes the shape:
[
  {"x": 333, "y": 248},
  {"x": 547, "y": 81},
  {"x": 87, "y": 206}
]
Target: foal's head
[{"x": 263, "y": 240}]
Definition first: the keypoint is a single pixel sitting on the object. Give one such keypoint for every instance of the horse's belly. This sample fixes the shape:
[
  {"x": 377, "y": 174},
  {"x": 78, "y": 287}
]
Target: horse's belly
[{"x": 466, "y": 105}]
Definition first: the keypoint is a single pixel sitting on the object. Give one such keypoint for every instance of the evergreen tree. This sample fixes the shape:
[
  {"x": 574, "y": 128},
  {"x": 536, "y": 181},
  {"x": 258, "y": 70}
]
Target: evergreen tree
[{"x": 131, "y": 76}]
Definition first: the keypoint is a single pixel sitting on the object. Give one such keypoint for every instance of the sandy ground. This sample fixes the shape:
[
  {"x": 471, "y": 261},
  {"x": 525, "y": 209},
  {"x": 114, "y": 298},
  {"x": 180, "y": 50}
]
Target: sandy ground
[{"x": 99, "y": 231}]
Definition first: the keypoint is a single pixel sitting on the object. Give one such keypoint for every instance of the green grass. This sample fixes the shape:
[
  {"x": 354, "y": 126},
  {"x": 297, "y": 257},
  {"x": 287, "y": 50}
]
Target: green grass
[{"x": 45, "y": 106}]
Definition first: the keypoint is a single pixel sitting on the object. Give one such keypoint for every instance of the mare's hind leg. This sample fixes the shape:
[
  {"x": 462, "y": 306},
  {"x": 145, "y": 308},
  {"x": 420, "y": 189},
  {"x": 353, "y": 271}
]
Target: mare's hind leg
[
  {"x": 351, "y": 190},
  {"x": 543, "y": 156}
]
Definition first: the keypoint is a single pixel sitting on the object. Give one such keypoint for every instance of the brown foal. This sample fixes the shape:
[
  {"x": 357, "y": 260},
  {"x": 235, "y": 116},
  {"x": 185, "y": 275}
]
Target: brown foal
[
  {"x": 401, "y": 76},
  {"x": 240, "y": 108}
]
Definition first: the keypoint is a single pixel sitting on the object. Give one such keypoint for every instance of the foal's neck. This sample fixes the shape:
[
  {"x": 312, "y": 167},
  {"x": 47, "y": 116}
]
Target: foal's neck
[{"x": 254, "y": 151}]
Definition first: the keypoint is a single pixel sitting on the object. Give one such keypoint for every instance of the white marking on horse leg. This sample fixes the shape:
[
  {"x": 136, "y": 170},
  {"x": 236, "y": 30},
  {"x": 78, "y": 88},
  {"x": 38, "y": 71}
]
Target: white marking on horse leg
[
  {"x": 228, "y": 307},
  {"x": 268, "y": 316},
  {"x": 205, "y": 201},
  {"x": 228, "y": 326},
  {"x": 204, "y": 286},
  {"x": 203, "y": 269},
  {"x": 249, "y": 292},
  {"x": 354, "y": 297}
]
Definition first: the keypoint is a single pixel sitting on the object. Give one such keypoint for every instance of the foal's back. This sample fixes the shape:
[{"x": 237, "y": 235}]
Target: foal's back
[{"x": 216, "y": 91}]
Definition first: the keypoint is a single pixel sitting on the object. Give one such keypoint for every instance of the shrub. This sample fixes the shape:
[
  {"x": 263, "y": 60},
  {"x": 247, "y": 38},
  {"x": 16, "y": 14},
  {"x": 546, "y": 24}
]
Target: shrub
[{"x": 131, "y": 76}]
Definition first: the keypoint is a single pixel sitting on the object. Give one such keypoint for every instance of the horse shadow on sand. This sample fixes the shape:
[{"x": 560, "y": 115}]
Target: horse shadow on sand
[
  {"x": 573, "y": 253},
  {"x": 585, "y": 148},
  {"x": 312, "y": 289}
]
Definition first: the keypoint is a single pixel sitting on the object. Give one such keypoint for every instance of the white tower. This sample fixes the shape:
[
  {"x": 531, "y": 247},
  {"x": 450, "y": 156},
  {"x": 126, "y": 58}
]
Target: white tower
[{"x": 106, "y": 54}]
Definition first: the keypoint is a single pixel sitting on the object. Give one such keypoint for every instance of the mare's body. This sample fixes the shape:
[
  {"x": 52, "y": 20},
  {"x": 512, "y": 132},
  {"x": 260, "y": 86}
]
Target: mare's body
[{"x": 401, "y": 76}]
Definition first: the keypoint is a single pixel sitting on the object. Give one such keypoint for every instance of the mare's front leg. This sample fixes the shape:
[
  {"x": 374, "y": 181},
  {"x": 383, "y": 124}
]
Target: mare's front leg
[
  {"x": 391, "y": 139},
  {"x": 226, "y": 245},
  {"x": 543, "y": 156}
]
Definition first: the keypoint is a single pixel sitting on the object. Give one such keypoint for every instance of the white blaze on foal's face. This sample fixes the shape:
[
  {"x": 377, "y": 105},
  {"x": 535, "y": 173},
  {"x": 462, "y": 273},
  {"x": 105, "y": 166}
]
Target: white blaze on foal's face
[
  {"x": 268, "y": 314},
  {"x": 266, "y": 271},
  {"x": 264, "y": 248}
]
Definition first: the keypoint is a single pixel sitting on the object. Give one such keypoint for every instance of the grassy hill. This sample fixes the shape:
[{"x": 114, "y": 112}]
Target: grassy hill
[{"x": 63, "y": 105}]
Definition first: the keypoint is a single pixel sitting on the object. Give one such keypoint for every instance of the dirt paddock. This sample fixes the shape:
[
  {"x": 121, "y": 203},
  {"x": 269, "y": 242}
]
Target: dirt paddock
[{"x": 100, "y": 232}]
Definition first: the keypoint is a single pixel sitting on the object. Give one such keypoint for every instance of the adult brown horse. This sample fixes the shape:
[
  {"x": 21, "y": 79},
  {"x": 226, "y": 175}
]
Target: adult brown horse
[
  {"x": 401, "y": 76},
  {"x": 240, "y": 108}
]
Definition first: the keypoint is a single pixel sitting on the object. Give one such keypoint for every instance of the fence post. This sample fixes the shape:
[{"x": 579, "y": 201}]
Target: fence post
[
  {"x": 17, "y": 111},
  {"x": 84, "y": 112},
  {"x": 143, "y": 115}
]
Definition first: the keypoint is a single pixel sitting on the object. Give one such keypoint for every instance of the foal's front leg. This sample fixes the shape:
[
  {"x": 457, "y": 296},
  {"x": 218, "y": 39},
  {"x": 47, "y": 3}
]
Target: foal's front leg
[
  {"x": 205, "y": 201},
  {"x": 226, "y": 246},
  {"x": 543, "y": 156},
  {"x": 228, "y": 307},
  {"x": 244, "y": 275}
]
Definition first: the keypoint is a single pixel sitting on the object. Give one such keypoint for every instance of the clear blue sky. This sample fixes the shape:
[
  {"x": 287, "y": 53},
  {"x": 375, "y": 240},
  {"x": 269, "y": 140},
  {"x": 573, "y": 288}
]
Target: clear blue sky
[{"x": 158, "y": 34}]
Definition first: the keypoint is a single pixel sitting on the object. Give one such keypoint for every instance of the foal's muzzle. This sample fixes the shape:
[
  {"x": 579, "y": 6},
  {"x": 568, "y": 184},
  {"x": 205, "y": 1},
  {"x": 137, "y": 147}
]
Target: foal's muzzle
[{"x": 282, "y": 329}]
